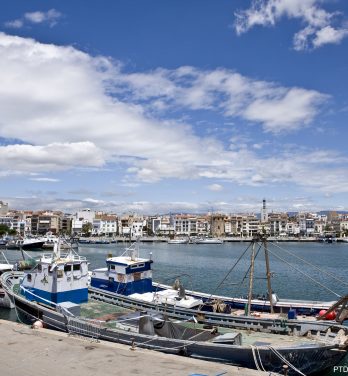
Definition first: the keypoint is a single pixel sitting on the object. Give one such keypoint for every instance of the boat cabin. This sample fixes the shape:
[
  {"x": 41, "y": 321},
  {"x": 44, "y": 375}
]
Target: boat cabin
[
  {"x": 124, "y": 275},
  {"x": 56, "y": 280}
]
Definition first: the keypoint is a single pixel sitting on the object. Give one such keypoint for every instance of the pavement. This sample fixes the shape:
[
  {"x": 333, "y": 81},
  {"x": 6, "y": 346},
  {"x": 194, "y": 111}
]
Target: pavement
[{"x": 42, "y": 352}]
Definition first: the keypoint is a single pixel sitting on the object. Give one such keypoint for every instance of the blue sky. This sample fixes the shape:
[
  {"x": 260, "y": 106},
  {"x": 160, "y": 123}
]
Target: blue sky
[{"x": 159, "y": 106}]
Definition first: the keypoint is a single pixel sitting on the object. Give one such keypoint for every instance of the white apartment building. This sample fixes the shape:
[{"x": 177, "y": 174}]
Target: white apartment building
[
  {"x": 105, "y": 225},
  {"x": 136, "y": 229}
]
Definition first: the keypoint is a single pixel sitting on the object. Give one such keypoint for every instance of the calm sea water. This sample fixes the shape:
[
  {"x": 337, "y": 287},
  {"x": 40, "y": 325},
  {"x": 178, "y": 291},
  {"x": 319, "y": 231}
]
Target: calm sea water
[{"x": 203, "y": 267}]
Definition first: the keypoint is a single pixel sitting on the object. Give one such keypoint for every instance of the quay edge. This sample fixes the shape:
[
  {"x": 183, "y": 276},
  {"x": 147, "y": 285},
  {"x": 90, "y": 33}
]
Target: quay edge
[{"x": 26, "y": 351}]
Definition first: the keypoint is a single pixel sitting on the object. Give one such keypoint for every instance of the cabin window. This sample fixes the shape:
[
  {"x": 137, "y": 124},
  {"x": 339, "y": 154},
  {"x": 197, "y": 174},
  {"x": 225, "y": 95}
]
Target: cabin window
[
  {"x": 137, "y": 276},
  {"x": 67, "y": 268},
  {"x": 112, "y": 267},
  {"x": 39, "y": 268},
  {"x": 137, "y": 266},
  {"x": 60, "y": 273},
  {"x": 29, "y": 277},
  {"x": 76, "y": 267}
]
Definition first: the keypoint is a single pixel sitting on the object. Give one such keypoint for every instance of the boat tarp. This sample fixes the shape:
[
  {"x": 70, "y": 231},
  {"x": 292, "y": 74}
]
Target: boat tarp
[{"x": 163, "y": 328}]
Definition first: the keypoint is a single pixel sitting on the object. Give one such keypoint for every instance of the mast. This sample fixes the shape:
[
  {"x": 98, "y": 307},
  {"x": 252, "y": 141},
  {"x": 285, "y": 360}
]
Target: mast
[
  {"x": 251, "y": 277},
  {"x": 56, "y": 250},
  {"x": 268, "y": 273}
]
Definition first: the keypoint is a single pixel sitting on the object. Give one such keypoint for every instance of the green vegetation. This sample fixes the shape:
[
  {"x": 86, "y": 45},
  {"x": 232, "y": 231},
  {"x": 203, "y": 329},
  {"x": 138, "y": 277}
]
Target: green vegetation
[{"x": 5, "y": 230}]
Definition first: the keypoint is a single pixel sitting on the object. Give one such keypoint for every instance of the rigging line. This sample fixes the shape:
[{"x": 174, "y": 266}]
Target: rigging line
[
  {"x": 247, "y": 272},
  {"x": 314, "y": 266},
  {"x": 224, "y": 279},
  {"x": 229, "y": 272},
  {"x": 305, "y": 274}
]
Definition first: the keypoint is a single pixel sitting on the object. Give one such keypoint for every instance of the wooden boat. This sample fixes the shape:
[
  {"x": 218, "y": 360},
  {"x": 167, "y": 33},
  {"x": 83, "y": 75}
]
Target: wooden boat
[{"x": 54, "y": 293}]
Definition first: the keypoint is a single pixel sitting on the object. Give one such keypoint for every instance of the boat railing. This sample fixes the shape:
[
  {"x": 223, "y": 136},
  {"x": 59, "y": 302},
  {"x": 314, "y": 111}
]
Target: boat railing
[{"x": 66, "y": 256}]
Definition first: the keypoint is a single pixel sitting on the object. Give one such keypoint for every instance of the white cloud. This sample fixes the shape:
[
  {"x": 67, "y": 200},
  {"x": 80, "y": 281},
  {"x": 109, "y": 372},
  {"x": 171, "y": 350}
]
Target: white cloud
[
  {"x": 241, "y": 204},
  {"x": 319, "y": 29},
  {"x": 92, "y": 114},
  {"x": 51, "y": 157},
  {"x": 329, "y": 34},
  {"x": 50, "y": 17},
  {"x": 277, "y": 108},
  {"x": 215, "y": 187},
  {"x": 15, "y": 24},
  {"x": 50, "y": 180}
]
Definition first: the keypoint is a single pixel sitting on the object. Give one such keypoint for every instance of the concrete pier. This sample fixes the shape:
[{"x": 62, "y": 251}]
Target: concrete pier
[{"x": 42, "y": 352}]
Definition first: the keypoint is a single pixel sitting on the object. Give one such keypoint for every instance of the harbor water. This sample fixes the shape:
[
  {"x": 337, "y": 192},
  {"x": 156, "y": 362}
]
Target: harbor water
[{"x": 205, "y": 268}]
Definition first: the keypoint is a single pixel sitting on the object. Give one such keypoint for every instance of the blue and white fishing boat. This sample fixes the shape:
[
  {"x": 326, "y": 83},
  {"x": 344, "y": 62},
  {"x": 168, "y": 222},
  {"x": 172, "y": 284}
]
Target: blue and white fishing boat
[
  {"x": 131, "y": 276},
  {"x": 127, "y": 280},
  {"x": 57, "y": 278}
]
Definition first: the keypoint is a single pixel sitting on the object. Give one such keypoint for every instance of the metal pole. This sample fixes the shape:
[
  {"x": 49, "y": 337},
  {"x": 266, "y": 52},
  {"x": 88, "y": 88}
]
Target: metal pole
[
  {"x": 268, "y": 274},
  {"x": 251, "y": 277}
]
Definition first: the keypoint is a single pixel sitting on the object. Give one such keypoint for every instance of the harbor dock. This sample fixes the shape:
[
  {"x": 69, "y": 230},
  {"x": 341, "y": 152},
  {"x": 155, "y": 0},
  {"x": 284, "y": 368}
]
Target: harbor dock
[{"x": 42, "y": 352}]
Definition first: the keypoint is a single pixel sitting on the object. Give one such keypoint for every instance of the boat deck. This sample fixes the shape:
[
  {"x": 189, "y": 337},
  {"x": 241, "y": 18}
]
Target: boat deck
[{"x": 266, "y": 339}]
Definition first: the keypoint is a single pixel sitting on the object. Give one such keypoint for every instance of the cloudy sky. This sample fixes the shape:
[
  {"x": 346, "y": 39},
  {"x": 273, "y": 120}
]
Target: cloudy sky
[{"x": 157, "y": 106}]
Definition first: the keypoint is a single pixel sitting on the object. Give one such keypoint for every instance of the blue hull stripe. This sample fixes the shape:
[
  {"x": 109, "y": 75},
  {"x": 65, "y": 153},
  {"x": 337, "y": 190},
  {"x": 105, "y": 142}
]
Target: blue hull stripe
[
  {"x": 75, "y": 296},
  {"x": 142, "y": 286}
]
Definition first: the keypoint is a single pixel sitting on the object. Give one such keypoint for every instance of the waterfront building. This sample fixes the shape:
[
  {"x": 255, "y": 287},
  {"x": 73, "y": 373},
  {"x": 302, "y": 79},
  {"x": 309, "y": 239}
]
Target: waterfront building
[
  {"x": 244, "y": 225},
  {"x": 104, "y": 224},
  {"x": 218, "y": 225},
  {"x": 185, "y": 224},
  {"x": 278, "y": 223},
  {"x": 80, "y": 219},
  {"x": 43, "y": 222},
  {"x": 66, "y": 224},
  {"x": 137, "y": 228},
  {"x": 166, "y": 228},
  {"x": 292, "y": 228},
  {"x": 203, "y": 226},
  {"x": 319, "y": 227}
]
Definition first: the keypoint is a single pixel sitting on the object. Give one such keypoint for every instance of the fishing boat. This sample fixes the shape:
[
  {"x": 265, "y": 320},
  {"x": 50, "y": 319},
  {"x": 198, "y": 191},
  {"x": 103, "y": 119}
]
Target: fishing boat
[
  {"x": 178, "y": 241},
  {"x": 54, "y": 294},
  {"x": 127, "y": 281},
  {"x": 26, "y": 244},
  {"x": 208, "y": 241}
]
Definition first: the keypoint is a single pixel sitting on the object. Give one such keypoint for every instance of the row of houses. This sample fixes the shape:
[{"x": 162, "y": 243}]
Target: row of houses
[{"x": 97, "y": 223}]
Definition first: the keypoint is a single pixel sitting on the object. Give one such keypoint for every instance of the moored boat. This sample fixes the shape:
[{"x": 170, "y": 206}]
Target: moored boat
[
  {"x": 208, "y": 241},
  {"x": 54, "y": 293},
  {"x": 26, "y": 244},
  {"x": 127, "y": 280},
  {"x": 178, "y": 241},
  {"x": 5, "y": 302}
]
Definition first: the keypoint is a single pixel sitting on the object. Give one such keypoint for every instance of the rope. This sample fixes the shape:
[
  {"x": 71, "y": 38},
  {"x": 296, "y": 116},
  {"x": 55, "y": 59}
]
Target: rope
[
  {"x": 247, "y": 272},
  {"x": 228, "y": 273},
  {"x": 280, "y": 356},
  {"x": 255, "y": 359},
  {"x": 258, "y": 353},
  {"x": 305, "y": 274},
  {"x": 314, "y": 266}
]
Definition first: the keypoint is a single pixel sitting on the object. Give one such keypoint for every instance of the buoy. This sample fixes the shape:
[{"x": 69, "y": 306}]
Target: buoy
[
  {"x": 37, "y": 325},
  {"x": 330, "y": 316},
  {"x": 322, "y": 312}
]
